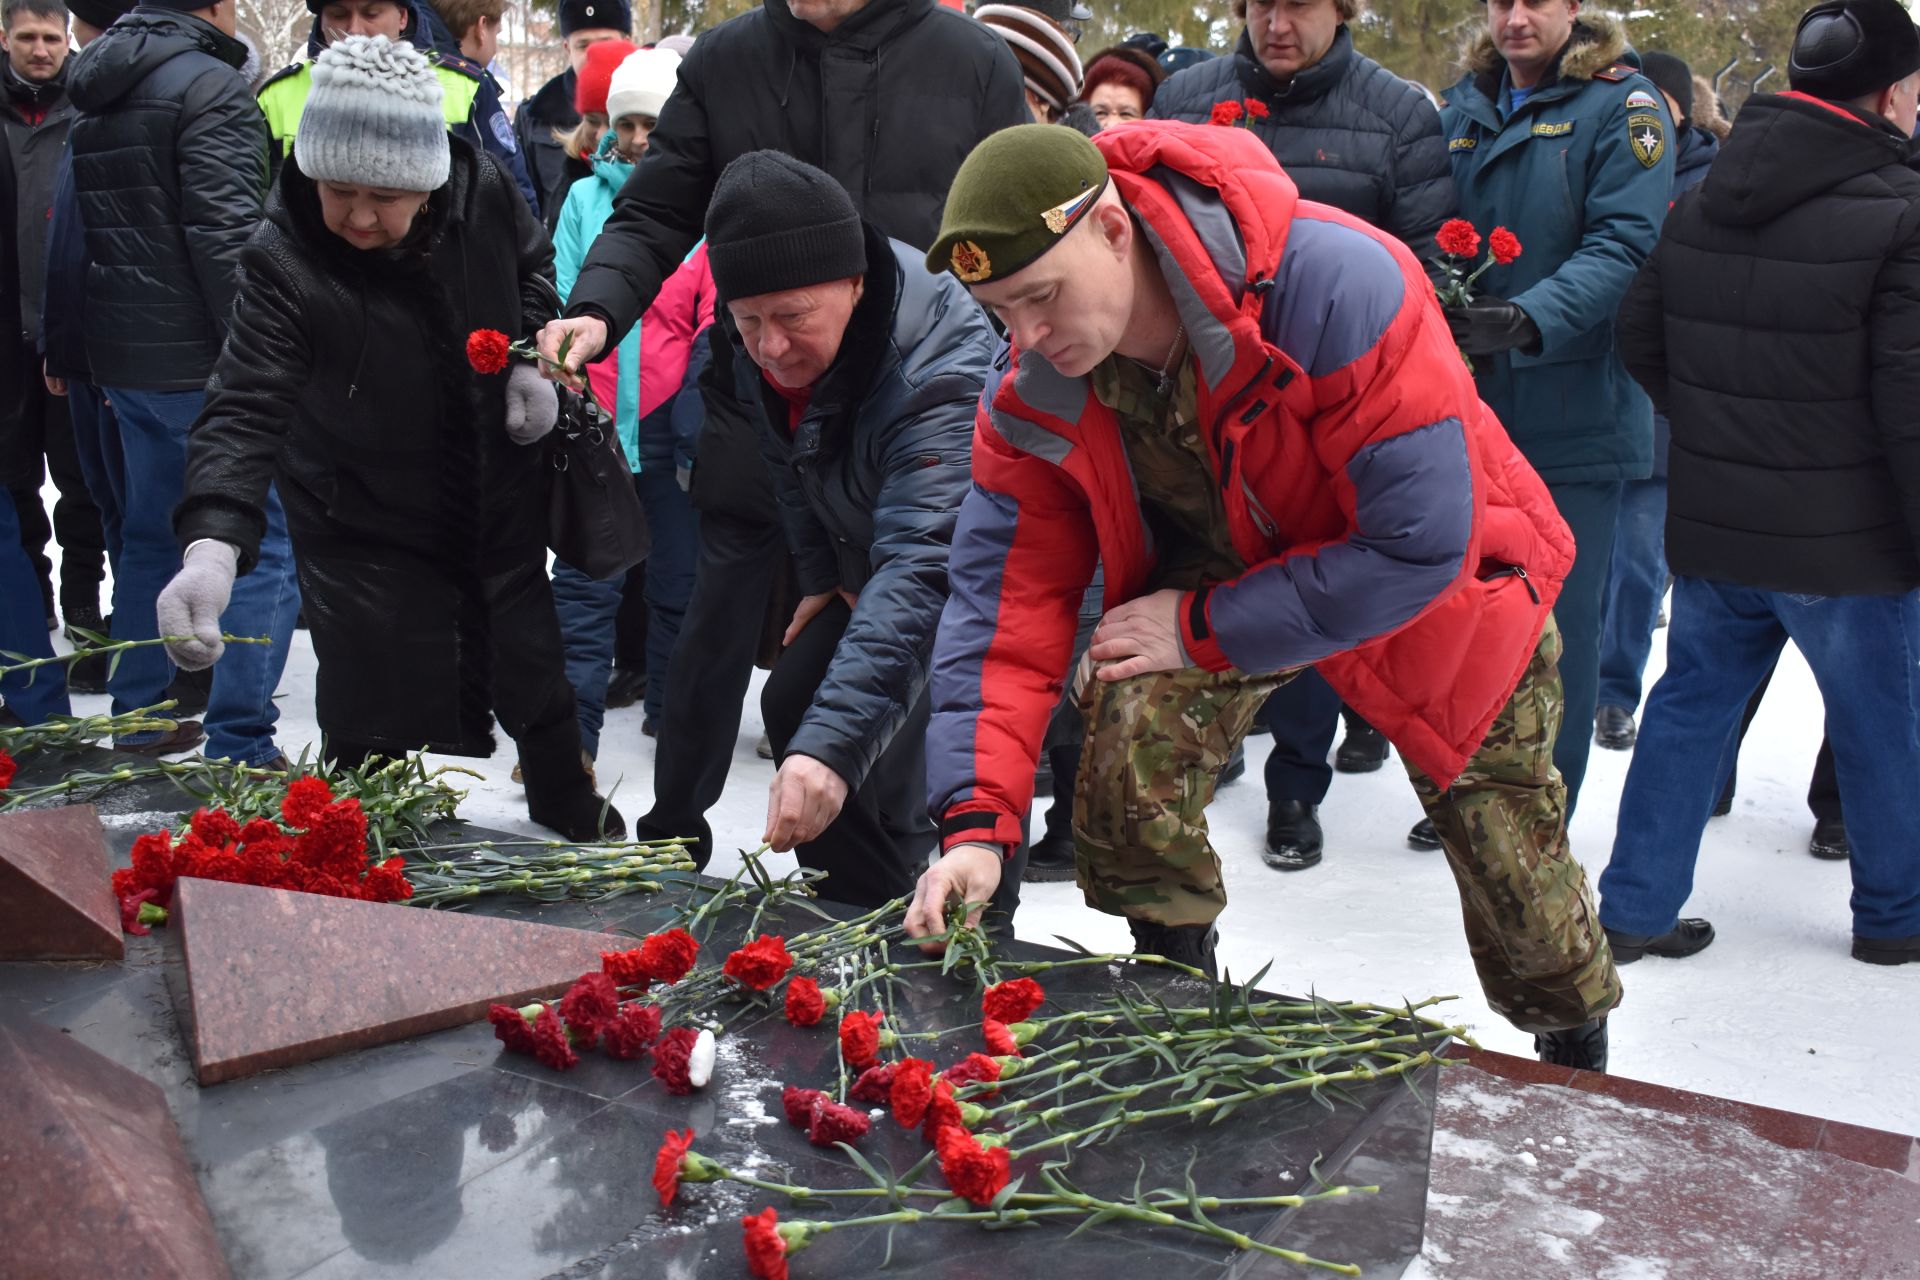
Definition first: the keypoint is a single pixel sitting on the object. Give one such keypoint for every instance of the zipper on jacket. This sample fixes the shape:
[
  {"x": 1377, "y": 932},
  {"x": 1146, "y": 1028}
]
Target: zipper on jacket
[{"x": 1515, "y": 571}]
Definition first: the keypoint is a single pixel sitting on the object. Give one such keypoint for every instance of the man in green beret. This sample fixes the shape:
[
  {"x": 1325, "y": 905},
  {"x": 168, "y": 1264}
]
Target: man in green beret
[{"x": 1248, "y": 409}]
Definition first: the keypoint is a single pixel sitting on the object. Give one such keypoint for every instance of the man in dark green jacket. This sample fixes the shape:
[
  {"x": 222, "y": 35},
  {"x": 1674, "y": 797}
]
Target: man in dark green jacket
[{"x": 1555, "y": 135}]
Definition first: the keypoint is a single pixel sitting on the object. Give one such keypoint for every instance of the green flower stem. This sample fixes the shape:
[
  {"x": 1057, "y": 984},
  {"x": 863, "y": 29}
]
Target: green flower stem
[
  {"x": 111, "y": 651},
  {"x": 1201, "y": 1105}
]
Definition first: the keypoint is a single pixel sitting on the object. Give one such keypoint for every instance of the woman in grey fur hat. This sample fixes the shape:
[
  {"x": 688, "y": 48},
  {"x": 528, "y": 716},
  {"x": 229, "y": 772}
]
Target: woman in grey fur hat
[{"x": 414, "y": 485}]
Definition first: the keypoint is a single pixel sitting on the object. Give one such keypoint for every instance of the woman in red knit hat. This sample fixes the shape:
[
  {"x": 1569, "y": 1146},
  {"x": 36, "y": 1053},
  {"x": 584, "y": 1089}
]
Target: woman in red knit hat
[{"x": 1119, "y": 85}]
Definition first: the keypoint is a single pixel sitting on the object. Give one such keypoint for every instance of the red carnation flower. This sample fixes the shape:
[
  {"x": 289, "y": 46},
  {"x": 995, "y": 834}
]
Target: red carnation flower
[
  {"x": 132, "y": 907},
  {"x": 1457, "y": 238},
  {"x": 860, "y": 1038},
  {"x": 1000, "y": 1041},
  {"x": 973, "y": 1171},
  {"x": 7, "y": 769},
  {"x": 667, "y": 957},
  {"x": 1225, "y": 112},
  {"x": 670, "y": 1055},
  {"x": 798, "y": 1103},
  {"x": 911, "y": 1091},
  {"x": 215, "y": 826},
  {"x": 387, "y": 882},
  {"x": 632, "y": 1031},
  {"x": 625, "y": 969},
  {"x": 666, "y": 1164},
  {"x": 1256, "y": 109},
  {"x": 487, "y": 350},
  {"x": 511, "y": 1028},
  {"x": 975, "y": 1068},
  {"x": 760, "y": 963},
  {"x": 875, "y": 1084},
  {"x": 1012, "y": 1001},
  {"x": 306, "y": 797},
  {"x": 1504, "y": 245},
  {"x": 766, "y": 1251},
  {"x": 942, "y": 1112},
  {"x": 153, "y": 865},
  {"x": 589, "y": 1005},
  {"x": 805, "y": 1005},
  {"x": 550, "y": 1043},
  {"x": 833, "y": 1123}
]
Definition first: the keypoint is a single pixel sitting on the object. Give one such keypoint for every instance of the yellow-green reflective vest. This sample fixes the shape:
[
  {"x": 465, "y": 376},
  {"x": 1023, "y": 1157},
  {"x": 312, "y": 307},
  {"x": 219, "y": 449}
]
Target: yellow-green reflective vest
[{"x": 284, "y": 97}]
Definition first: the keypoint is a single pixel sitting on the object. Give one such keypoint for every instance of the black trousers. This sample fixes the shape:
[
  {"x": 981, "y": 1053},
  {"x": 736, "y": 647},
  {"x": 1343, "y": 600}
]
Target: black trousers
[
  {"x": 40, "y": 429},
  {"x": 708, "y": 675},
  {"x": 1823, "y": 791},
  {"x": 877, "y": 847}
]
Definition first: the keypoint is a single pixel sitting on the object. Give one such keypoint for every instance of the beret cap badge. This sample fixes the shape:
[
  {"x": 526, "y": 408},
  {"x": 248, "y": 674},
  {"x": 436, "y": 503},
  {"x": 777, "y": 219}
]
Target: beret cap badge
[{"x": 970, "y": 262}]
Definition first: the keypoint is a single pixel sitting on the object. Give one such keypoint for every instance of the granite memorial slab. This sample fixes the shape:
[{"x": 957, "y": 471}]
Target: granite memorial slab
[
  {"x": 93, "y": 1178},
  {"x": 275, "y": 977},
  {"x": 56, "y": 899}
]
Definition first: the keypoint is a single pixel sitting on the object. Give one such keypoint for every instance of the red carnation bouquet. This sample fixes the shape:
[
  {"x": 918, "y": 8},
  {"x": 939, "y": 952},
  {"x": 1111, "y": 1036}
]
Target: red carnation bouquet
[
  {"x": 1239, "y": 114},
  {"x": 1459, "y": 243}
]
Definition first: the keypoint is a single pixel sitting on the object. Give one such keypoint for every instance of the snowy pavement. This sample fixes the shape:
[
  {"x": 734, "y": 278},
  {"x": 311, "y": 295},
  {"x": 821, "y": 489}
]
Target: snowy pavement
[{"x": 1775, "y": 1012}]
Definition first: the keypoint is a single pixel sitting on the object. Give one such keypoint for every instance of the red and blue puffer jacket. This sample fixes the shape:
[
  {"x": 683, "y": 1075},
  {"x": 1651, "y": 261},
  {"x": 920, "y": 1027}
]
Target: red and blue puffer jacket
[{"x": 1396, "y": 540}]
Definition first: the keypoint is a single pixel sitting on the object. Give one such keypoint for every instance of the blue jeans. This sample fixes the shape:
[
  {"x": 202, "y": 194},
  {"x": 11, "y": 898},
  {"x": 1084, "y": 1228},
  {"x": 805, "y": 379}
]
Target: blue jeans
[
  {"x": 1635, "y": 584},
  {"x": 96, "y": 439},
  {"x": 31, "y": 695},
  {"x": 1590, "y": 508},
  {"x": 675, "y": 530},
  {"x": 587, "y": 609},
  {"x": 240, "y": 710},
  {"x": 1865, "y": 654}
]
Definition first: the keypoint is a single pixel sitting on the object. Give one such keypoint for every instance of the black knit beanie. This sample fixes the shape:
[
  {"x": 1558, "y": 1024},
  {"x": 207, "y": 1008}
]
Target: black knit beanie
[
  {"x": 1672, "y": 76},
  {"x": 100, "y": 13},
  {"x": 1848, "y": 49},
  {"x": 777, "y": 223}
]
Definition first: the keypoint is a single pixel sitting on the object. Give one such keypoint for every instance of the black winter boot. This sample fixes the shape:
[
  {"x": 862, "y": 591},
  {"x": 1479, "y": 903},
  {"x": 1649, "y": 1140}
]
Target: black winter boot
[
  {"x": 1050, "y": 860},
  {"x": 1362, "y": 750},
  {"x": 560, "y": 792},
  {"x": 1686, "y": 938},
  {"x": 1583, "y": 1047},
  {"x": 1189, "y": 944},
  {"x": 1294, "y": 840}
]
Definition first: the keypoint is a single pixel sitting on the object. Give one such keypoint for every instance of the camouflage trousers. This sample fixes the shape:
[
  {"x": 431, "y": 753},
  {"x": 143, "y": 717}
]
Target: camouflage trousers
[{"x": 1155, "y": 748}]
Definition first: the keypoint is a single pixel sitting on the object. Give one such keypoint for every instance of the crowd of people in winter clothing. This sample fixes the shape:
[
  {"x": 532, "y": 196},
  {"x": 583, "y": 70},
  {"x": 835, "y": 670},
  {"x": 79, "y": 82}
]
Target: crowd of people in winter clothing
[{"x": 1039, "y": 421}]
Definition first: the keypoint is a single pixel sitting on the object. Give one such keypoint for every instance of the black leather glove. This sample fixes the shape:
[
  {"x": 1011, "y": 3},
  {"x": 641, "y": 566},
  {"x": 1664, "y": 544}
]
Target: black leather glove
[{"x": 1488, "y": 326}]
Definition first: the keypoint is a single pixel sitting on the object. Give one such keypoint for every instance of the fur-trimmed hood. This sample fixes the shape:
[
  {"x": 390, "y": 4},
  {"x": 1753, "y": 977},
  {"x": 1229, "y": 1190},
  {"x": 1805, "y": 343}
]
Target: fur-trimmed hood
[{"x": 1599, "y": 40}]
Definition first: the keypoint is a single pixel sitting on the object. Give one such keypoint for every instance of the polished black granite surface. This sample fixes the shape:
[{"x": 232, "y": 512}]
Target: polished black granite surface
[{"x": 445, "y": 1156}]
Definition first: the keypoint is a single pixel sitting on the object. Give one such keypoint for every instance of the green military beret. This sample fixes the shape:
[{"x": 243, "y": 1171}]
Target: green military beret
[{"x": 1018, "y": 193}]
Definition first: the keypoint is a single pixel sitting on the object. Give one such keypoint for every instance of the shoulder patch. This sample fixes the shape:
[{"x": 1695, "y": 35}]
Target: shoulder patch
[
  {"x": 1617, "y": 72},
  {"x": 503, "y": 133},
  {"x": 1641, "y": 98},
  {"x": 1553, "y": 129},
  {"x": 1647, "y": 134},
  {"x": 1462, "y": 144}
]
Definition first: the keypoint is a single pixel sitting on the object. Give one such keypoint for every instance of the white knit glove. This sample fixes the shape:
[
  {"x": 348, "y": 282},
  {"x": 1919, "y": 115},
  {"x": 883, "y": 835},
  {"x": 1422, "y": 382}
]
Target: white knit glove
[
  {"x": 190, "y": 606},
  {"x": 532, "y": 404}
]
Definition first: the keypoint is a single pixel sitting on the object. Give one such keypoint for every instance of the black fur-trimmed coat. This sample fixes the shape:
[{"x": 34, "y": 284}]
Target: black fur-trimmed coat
[{"x": 345, "y": 381}]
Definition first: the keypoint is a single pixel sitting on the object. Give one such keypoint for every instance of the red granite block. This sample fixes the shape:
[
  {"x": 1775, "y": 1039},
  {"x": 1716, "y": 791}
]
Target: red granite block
[
  {"x": 1511, "y": 1067},
  {"x": 1788, "y": 1129},
  {"x": 56, "y": 894},
  {"x": 1877, "y": 1147},
  {"x": 276, "y": 978},
  {"x": 93, "y": 1180}
]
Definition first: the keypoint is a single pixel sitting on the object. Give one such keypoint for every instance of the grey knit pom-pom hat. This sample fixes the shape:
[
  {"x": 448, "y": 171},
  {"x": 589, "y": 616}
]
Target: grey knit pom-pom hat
[{"x": 373, "y": 118}]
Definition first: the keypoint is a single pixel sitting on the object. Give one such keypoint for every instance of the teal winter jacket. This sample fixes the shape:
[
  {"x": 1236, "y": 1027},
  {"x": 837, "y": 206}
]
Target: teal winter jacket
[
  {"x": 1581, "y": 172},
  {"x": 589, "y": 201}
]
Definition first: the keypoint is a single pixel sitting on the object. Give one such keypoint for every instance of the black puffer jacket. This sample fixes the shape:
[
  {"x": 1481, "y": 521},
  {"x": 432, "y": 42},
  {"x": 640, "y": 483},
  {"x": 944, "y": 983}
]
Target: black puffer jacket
[
  {"x": 1776, "y": 326},
  {"x": 345, "y": 381},
  {"x": 170, "y": 160},
  {"x": 889, "y": 104},
  {"x": 1348, "y": 132},
  {"x": 869, "y": 485},
  {"x": 533, "y": 125}
]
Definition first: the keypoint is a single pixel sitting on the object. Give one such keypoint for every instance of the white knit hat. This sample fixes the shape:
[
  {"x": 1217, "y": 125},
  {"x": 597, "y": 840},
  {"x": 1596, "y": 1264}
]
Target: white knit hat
[
  {"x": 642, "y": 83},
  {"x": 373, "y": 118},
  {"x": 1048, "y": 62}
]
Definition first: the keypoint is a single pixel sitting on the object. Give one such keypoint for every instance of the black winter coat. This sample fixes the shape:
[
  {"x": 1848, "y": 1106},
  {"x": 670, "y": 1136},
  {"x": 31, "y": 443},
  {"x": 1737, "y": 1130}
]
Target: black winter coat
[
  {"x": 869, "y": 485},
  {"x": 170, "y": 160},
  {"x": 36, "y": 149},
  {"x": 345, "y": 382},
  {"x": 1348, "y": 132},
  {"x": 889, "y": 104},
  {"x": 533, "y": 125},
  {"x": 1777, "y": 326}
]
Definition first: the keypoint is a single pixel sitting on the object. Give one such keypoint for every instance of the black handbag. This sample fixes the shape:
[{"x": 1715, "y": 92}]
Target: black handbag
[{"x": 594, "y": 518}]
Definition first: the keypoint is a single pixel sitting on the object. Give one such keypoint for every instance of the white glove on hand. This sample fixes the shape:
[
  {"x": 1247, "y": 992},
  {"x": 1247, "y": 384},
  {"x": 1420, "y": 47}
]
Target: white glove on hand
[
  {"x": 191, "y": 605},
  {"x": 533, "y": 406}
]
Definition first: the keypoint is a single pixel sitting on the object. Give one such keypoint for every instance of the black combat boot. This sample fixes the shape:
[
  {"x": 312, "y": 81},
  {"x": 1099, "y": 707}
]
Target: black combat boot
[
  {"x": 1188, "y": 944},
  {"x": 1583, "y": 1047},
  {"x": 560, "y": 792},
  {"x": 1294, "y": 840},
  {"x": 1363, "y": 750}
]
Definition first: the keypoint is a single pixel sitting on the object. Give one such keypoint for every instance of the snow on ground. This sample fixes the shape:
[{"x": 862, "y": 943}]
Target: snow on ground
[{"x": 1775, "y": 1012}]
